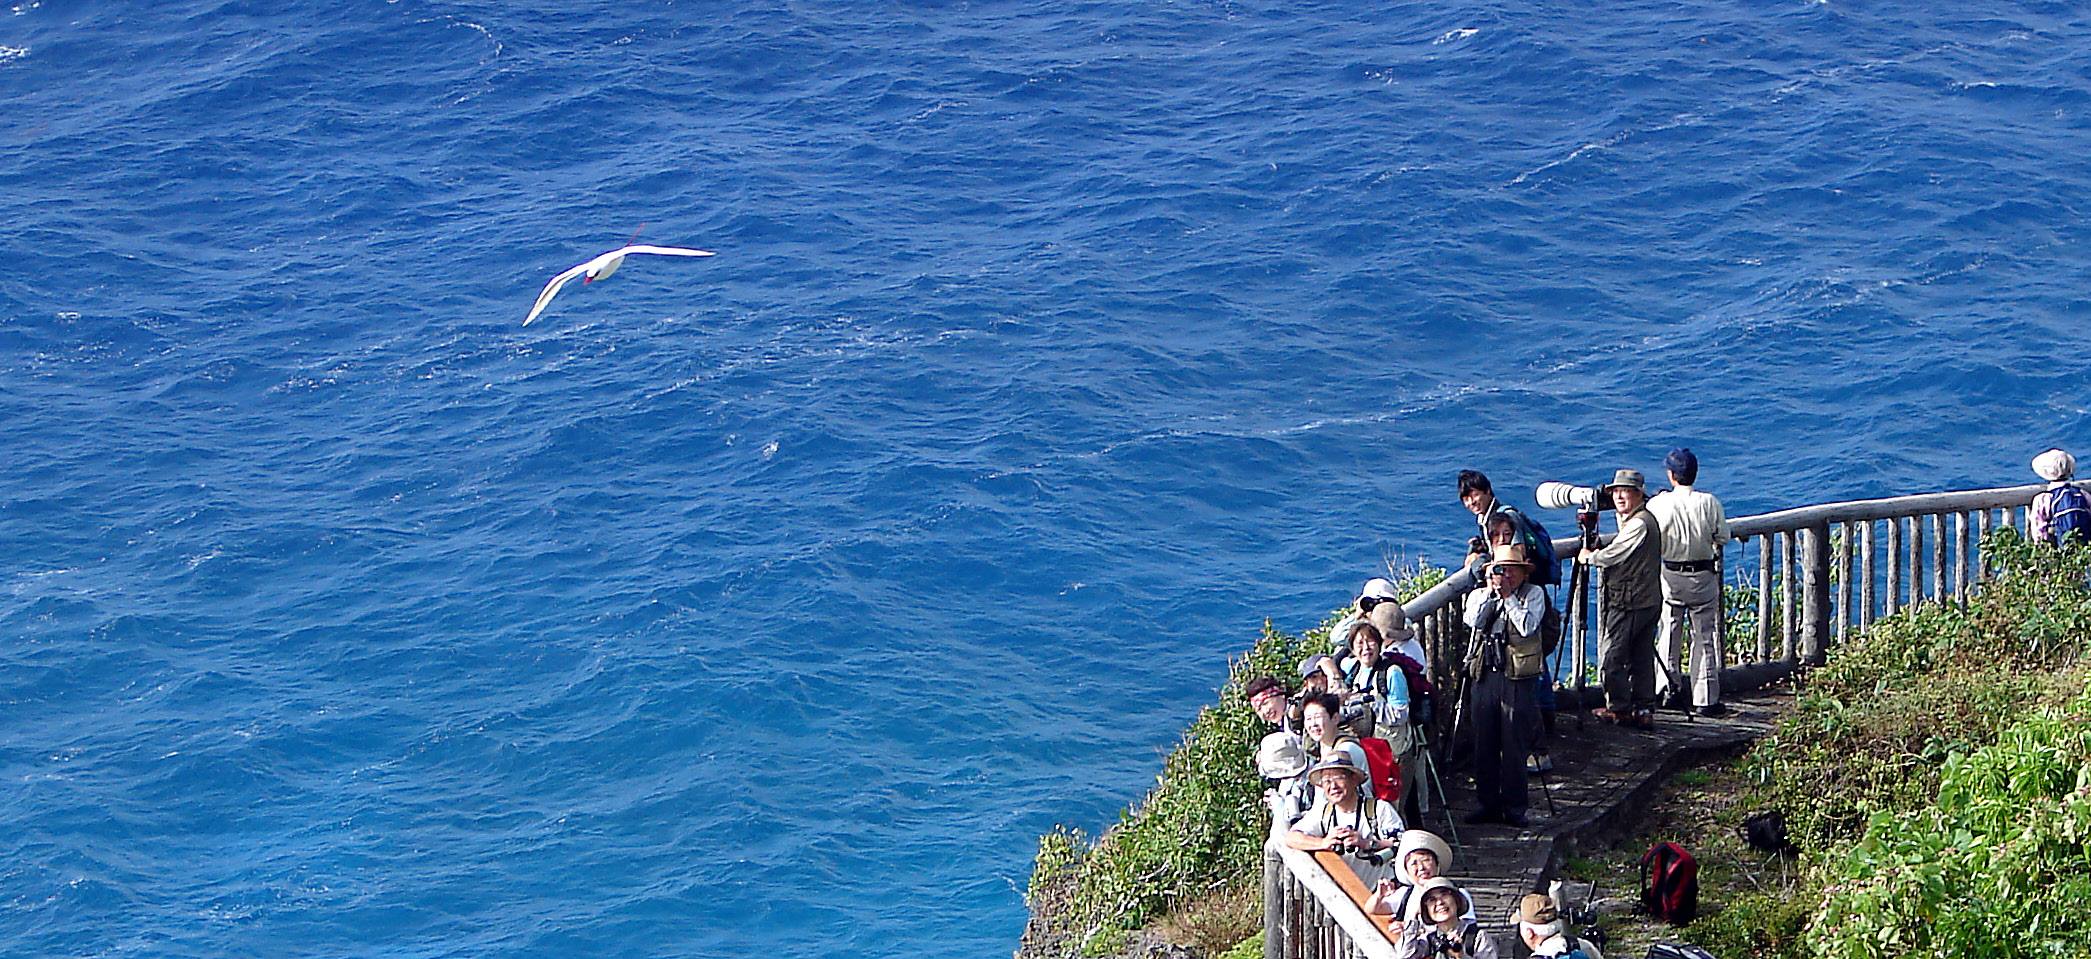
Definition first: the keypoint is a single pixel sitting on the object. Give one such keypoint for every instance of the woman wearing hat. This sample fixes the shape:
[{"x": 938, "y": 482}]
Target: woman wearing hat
[
  {"x": 1421, "y": 857},
  {"x": 2060, "y": 509},
  {"x": 1439, "y": 925},
  {"x": 1283, "y": 765},
  {"x": 1345, "y": 820}
]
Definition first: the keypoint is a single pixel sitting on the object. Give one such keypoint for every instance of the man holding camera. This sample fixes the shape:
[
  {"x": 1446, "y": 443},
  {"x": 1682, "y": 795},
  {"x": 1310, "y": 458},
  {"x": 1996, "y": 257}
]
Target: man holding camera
[
  {"x": 1509, "y": 619},
  {"x": 1358, "y": 827},
  {"x": 1630, "y": 597},
  {"x": 1694, "y": 530}
]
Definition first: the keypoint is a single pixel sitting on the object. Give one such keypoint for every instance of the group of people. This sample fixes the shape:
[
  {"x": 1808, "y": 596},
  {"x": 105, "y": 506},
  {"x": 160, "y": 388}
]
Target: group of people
[{"x": 1344, "y": 763}]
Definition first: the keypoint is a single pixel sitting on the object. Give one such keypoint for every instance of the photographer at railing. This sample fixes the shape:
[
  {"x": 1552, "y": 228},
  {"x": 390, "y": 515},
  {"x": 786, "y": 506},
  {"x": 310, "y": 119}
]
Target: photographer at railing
[{"x": 1362, "y": 829}]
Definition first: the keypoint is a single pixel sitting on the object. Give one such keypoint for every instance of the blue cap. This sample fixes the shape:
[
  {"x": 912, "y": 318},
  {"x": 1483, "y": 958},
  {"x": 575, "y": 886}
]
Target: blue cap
[{"x": 1681, "y": 461}]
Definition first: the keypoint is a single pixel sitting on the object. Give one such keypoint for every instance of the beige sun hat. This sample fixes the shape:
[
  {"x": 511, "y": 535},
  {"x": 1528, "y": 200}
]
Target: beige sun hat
[
  {"x": 1632, "y": 479},
  {"x": 1415, "y": 909},
  {"x": 1392, "y": 623},
  {"x": 1280, "y": 756},
  {"x": 1427, "y": 841},
  {"x": 2054, "y": 466}
]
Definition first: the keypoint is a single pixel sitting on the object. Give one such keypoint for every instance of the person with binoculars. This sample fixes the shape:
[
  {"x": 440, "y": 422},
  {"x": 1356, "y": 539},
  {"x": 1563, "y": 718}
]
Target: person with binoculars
[
  {"x": 1510, "y": 619},
  {"x": 1344, "y": 821}
]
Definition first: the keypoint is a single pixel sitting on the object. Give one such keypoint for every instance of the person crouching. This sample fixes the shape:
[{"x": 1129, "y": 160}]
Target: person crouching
[{"x": 1508, "y": 617}]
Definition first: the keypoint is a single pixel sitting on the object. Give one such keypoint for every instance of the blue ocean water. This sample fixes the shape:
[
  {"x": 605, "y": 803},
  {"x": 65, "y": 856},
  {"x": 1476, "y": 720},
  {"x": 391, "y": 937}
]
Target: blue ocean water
[{"x": 774, "y": 603}]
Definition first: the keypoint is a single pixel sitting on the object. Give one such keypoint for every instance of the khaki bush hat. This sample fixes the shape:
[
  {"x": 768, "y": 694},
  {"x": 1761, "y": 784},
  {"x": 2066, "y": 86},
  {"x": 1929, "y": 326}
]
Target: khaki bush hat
[
  {"x": 1337, "y": 761},
  {"x": 1628, "y": 478},
  {"x": 1392, "y": 623},
  {"x": 1537, "y": 908}
]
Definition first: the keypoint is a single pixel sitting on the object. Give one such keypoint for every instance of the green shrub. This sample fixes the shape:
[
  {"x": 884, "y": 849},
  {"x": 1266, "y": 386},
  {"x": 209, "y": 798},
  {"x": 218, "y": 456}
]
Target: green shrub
[
  {"x": 1999, "y": 866},
  {"x": 1763, "y": 925},
  {"x": 1250, "y": 948},
  {"x": 1870, "y": 729},
  {"x": 1201, "y": 826}
]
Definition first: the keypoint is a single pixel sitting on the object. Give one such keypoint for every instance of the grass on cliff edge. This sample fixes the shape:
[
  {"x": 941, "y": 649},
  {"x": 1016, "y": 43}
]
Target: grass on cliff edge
[
  {"x": 1936, "y": 775},
  {"x": 1193, "y": 839}
]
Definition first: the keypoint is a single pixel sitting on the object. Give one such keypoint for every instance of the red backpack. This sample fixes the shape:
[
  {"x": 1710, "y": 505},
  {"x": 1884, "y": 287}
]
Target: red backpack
[
  {"x": 1380, "y": 764},
  {"x": 1670, "y": 883}
]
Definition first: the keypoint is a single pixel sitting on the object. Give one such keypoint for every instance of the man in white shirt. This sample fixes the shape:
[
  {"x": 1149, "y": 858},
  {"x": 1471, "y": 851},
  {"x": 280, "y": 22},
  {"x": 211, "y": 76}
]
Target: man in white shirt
[{"x": 1694, "y": 530}]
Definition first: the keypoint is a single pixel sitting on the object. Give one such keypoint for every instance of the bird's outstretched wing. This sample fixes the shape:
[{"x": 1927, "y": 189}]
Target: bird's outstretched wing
[
  {"x": 665, "y": 250},
  {"x": 552, "y": 289}
]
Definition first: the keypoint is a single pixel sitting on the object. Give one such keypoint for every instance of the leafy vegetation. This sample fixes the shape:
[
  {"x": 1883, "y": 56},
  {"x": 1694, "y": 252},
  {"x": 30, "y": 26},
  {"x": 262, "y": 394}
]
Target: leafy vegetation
[
  {"x": 1194, "y": 837},
  {"x": 1936, "y": 775}
]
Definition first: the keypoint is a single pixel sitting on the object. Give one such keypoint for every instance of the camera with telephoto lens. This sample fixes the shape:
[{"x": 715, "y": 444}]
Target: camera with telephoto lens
[{"x": 1552, "y": 495}]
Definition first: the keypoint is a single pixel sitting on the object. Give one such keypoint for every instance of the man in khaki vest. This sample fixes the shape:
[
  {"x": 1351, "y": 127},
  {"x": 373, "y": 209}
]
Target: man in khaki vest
[
  {"x": 1630, "y": 600},
  {"x": 1509, "y": 620}
]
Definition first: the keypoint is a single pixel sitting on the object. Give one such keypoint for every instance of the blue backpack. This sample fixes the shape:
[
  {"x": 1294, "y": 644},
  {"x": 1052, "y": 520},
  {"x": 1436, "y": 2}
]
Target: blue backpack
[
  {"x": 1546, "y": 566},
  {"x": 2071, "y": 512}
]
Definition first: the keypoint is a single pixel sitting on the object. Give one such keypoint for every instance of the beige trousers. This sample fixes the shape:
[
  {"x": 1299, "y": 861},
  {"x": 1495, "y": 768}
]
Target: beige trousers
[{"x": 1691, "y": 601}]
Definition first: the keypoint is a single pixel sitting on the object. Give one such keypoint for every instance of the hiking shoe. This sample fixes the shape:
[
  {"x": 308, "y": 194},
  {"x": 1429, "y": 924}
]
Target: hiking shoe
[
  {"x": 1641, "y": 719},
  {"x": 1712, "y": 710},
  {"x": 1539, "y": 763},
  {"x": 1514, "y": 819},
  {"x": 1608, "y": 715}
]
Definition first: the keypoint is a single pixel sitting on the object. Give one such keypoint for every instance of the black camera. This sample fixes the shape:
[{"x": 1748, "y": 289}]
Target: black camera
[{"x": 1439, "y": 944}]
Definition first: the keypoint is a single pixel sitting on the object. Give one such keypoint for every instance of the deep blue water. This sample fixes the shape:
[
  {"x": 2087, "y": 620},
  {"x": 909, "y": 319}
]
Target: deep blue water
[{"x": 772, "y": 604}]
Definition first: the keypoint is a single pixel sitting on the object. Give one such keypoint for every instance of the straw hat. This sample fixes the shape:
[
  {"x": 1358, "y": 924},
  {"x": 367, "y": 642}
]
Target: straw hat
[
  {"x": 1279, "y": 756},
  {"x": 1429, "y": 842},
  {"x": 1508, "y": 554},
  {"x": 1631, "y": 479}
]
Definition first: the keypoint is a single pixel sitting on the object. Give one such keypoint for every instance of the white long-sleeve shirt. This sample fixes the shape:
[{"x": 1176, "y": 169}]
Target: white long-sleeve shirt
[{"x": 1693, "y": 523}]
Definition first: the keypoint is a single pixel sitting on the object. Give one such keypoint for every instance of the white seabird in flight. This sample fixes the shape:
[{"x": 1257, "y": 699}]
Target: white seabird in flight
[{"x": 600, "y": 268}]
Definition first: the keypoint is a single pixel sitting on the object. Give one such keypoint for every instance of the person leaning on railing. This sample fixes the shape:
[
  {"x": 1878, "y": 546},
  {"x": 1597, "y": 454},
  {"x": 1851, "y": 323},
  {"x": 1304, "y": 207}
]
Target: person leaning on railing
[
  {"x": 2059, "y": 509},
  {"x": 1344, "y": 820},
  {"x": 1630, "y": 595}
]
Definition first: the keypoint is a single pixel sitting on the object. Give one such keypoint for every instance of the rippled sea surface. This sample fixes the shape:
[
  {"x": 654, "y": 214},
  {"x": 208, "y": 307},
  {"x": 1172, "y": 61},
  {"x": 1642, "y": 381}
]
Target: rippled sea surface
[{"x": 772, "y": 604}]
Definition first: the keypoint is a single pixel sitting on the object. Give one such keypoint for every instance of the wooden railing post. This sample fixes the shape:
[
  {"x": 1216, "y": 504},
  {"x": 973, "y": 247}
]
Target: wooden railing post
[
  {"x": 1273, "y": 904},
  {"x": 1815, "y": 595},
  {"x": 1764, "y": 597}
]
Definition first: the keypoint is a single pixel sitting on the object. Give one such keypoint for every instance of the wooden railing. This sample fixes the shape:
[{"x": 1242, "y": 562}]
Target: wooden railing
[{"x": 1821, "y": 573}]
